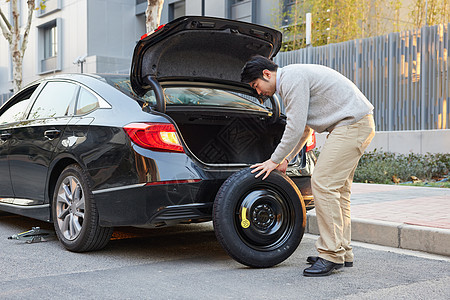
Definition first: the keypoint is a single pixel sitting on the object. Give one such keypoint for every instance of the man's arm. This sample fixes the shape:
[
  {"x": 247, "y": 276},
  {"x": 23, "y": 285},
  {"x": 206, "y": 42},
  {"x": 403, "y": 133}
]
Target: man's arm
[
  {"x": 295, "y": 93},
  {"x": 306, "y": 134}
]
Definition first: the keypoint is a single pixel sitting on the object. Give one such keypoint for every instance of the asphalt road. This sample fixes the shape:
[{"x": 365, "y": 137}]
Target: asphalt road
[{"x": 186, "y": 262}]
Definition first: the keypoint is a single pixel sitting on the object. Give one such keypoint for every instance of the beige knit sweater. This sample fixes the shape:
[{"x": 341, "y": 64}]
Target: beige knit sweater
[{"x": 318, "y": 97}]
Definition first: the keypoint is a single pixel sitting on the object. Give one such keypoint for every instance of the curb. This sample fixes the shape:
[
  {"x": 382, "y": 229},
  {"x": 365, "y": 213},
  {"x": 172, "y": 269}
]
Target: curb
[{"x": 392, "y": 234}]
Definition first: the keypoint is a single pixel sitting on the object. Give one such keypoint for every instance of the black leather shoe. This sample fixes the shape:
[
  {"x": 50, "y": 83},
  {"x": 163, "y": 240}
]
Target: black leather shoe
[
  {"x": 313, "y": 259},
  {"x": 321, "y": 267}
]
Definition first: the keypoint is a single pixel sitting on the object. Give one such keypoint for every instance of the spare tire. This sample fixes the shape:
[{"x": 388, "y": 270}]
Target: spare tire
[{"x": 259, "y": 223}]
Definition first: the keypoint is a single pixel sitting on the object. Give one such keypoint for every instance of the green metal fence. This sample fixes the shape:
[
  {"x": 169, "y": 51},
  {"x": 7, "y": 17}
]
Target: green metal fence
[{"x": 405, "y": 75}]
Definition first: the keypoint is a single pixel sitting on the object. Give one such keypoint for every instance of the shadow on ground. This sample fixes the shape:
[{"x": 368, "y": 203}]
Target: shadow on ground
[{"x": 193, "y": 241}]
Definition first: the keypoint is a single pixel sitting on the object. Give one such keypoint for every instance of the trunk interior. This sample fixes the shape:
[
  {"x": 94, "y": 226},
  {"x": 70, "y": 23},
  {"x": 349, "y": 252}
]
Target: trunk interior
[{"x": 228, "y": 138}]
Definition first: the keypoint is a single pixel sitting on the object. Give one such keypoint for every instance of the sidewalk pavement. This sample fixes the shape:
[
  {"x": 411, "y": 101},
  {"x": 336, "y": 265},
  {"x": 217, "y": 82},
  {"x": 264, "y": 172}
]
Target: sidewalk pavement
[{"x": 415, "y": 218}]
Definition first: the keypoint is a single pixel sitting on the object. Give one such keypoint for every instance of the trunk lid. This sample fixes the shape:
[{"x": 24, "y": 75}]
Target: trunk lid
[{"x": 200, "y": 49}]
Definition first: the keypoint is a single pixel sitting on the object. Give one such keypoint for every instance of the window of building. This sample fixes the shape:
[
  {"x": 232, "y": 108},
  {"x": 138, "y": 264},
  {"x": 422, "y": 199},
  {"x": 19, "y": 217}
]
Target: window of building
[
  {"x": 54, "y": 100},
  {"x": 49, "y": 47},
  {"x": 50, "y": 42},
  {"x": 177, "y": 9},
  {"x": 141, "y": 7}
]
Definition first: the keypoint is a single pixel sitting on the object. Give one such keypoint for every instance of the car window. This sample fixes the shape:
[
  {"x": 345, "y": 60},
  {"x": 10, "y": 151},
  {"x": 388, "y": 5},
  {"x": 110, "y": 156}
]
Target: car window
[
  {"x": 209, "y": 97},
  {"x": 14, "y": 110},
  {"x": 54, "y": 100},
  {"x": 123, "y": 84},
  {"x": 191, "y": 96},
  {"x": 87, "y": 102}
]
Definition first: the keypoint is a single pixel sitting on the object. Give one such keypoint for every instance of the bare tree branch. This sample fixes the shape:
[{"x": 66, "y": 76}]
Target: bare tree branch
[
  {"x": 5, "y": 19},
  {"x": 15, "y": 15},
  {"x": 31, "y": 4},
  {"x": 6, "y": 27}
]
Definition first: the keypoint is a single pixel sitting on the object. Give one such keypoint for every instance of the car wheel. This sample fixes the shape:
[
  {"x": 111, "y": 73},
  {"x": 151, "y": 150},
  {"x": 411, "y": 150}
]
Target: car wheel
[
  {"x": 75, "y": 215},
  {"x": 259, "y": 223}
]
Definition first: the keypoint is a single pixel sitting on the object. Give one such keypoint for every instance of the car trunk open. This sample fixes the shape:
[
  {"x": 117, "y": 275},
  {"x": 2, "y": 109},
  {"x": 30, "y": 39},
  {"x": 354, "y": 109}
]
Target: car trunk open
[
  {"x": 228, "y": 138},
  {"x": 200, "y": 48},
  {"x": 219, "y": 124},
  {"x": 210, "y": 51}
]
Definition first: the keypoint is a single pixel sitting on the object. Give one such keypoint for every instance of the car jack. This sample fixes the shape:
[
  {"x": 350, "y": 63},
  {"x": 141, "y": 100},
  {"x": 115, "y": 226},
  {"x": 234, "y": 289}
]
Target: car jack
[{"x": 35, "y": 235}]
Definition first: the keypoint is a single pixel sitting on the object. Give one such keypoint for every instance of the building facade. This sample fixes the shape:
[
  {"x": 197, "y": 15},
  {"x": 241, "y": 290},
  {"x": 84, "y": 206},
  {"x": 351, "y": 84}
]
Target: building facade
[{"x": 98, "y": 36}]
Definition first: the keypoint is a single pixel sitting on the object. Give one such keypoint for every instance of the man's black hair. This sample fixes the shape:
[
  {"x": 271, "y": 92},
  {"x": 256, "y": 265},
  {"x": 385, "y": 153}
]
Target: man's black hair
[{"x": 254, "y": 68}]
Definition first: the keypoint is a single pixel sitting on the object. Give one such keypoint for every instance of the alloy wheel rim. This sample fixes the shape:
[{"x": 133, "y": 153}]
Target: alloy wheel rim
[{"x": 70, "y": 208}]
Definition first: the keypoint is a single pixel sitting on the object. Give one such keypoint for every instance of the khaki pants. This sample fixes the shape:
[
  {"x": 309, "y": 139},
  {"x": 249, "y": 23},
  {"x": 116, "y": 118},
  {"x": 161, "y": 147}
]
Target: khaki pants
[{"x": 331, "y": 183}]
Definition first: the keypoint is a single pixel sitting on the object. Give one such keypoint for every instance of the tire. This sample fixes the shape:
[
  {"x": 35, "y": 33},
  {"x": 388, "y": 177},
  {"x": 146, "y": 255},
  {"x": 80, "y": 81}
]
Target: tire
[
  {"x": 259, "y": 223},
  {"x": 75, "y": 215}
]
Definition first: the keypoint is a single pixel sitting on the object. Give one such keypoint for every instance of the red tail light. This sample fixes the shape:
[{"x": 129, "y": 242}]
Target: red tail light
[
  {"x": 144, "y": 36},
  {"x": 148, "y": 33},
  {"x": 311, "y": 142},
  {"x": 160, "y": 27},
  {"x": 154, "y": 136}
]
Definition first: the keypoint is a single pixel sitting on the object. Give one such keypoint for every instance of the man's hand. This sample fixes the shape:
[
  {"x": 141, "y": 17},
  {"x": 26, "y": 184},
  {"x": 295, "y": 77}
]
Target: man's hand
[
  {"x": 283, "y": 166},
  {"x": 265, "y": 167}
]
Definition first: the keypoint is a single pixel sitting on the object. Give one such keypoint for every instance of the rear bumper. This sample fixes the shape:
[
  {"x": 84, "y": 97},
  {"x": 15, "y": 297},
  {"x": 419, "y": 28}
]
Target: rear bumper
[
  {"x": 168, "y": 201},
  {"x": 168, "y": 204},
  {"x": 157, "y": 205}
]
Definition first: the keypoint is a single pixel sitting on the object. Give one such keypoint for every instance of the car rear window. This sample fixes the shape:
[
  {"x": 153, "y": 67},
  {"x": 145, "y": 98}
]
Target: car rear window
[
  {"x": 200, "y": 96},
  {"x": 192, "y": 96}
]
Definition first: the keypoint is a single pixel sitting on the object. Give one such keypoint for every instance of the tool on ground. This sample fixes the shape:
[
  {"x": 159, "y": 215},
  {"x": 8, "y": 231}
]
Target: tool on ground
[{"x": 35, "y": 235}]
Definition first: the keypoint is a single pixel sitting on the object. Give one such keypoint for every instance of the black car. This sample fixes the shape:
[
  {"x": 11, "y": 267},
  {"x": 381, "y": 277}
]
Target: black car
[{"x": 170, "y": 144}]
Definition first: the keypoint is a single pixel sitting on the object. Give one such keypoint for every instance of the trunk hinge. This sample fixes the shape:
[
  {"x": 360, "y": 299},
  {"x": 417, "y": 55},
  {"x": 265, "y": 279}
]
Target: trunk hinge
[{"x": 159, "y": 93}]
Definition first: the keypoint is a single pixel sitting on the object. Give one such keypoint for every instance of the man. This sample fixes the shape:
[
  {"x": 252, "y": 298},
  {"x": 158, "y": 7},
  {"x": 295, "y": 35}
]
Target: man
[{"x": 319, "y": 98}]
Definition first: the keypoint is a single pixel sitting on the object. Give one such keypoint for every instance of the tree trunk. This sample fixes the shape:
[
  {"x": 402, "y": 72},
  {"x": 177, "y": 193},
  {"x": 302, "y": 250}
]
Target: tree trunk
[
  {"x": 153, "y": 14},
  {"x": 11, "y": 32},
  {"x": 17, "y": 59},
  {"x": 15, "y": 49}
]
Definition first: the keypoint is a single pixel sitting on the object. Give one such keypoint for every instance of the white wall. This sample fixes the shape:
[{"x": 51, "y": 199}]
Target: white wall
[
  {"x": 216, "y": 8},
  {"x": 193, "y": 7},
  {"x": 105, "y": 30},
  {"x": 74, "y": 30},
  {"x": 213, "y": 8},
  {"x": 113, "y": 30},
  {"x": 265, "y": 9}
]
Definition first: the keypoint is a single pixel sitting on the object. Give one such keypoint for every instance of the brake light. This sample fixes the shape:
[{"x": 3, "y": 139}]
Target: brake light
[
  {"x": 311, "y": 142},
  {"x": 154, "y": 136},
  {"x": 148, "y": 33},
  {"x": 160, "y": 27}
]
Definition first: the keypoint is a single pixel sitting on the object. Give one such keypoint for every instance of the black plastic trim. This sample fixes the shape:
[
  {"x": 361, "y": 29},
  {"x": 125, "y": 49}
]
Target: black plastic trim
[{"x": 40, "y": 212}]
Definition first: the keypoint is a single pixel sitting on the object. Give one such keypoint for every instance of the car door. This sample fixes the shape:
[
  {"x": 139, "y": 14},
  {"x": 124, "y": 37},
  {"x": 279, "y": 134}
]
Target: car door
[
  {"x": 33, "y": 141},
  {"x": 10, "y": 114}
]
